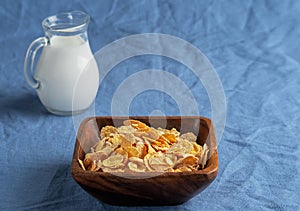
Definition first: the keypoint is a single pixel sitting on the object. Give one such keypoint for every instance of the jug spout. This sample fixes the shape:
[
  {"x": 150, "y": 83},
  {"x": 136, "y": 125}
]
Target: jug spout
[{"x": 66, "y": 24}]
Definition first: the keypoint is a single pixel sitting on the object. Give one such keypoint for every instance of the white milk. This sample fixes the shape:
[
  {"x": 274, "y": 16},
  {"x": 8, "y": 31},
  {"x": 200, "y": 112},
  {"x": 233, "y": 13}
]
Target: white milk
[{"x": 67, "y": 67}]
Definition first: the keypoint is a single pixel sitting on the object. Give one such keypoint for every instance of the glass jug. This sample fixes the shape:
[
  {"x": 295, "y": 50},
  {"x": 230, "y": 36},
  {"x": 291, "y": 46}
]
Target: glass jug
[{"x": 66, "y": 63}]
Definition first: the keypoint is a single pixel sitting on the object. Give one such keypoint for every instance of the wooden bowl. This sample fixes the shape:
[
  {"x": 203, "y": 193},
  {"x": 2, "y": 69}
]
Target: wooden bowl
[{"x": 170, "y": 188}]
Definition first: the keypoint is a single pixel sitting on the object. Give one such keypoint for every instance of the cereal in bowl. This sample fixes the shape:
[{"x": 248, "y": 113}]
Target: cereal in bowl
[{"x": 136, "y": 147}]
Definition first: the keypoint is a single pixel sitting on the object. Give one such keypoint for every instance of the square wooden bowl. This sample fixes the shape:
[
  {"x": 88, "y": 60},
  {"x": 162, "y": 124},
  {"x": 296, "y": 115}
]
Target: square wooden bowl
[{"x": 170, "y": 188}]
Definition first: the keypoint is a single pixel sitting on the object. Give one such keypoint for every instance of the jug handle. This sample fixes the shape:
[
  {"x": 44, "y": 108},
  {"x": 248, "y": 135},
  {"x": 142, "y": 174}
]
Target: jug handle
[{"x": 30, "y": 58}]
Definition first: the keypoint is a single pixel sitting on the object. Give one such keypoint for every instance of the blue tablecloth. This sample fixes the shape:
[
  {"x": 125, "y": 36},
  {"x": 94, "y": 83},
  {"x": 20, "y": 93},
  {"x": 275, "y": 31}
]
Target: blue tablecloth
[{"x": 254, "y": 47}]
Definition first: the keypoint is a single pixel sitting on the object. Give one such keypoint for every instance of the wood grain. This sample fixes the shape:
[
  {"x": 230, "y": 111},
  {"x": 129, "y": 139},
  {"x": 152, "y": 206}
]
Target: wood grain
[{"x": 143, "y": 188}]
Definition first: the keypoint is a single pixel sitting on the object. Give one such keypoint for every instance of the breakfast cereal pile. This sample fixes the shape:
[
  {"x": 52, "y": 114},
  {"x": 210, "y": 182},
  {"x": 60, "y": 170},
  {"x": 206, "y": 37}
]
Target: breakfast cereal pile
[{"x": 136, "y": 147}]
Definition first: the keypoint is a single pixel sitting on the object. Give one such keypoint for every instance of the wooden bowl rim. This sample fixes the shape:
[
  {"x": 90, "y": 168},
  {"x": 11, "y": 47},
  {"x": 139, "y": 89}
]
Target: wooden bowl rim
[{"x": 212, "y": 167}]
